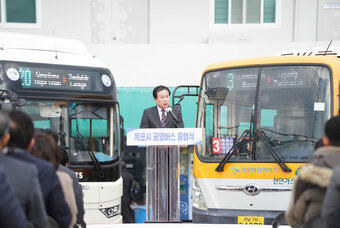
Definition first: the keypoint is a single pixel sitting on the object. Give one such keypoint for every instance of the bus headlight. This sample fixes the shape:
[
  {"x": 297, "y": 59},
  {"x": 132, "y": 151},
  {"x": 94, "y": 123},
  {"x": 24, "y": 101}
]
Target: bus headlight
[
  {"x": 111, "y": 211},
  {"x": 198, "y": 199}
]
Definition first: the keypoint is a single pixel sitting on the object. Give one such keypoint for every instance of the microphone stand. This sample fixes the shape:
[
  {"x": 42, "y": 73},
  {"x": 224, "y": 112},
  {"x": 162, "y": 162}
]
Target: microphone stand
[{"x": 174, "y": 117}]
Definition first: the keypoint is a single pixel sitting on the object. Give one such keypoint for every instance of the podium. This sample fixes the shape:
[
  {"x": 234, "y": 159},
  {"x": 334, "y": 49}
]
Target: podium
[
  {"x": 162, "y": 176},
  {"x": 162, "y": 168}
]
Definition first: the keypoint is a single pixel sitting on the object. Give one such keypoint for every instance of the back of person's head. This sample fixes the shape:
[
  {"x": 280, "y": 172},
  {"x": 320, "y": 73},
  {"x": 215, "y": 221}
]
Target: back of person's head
[
  {"x": 332, "y": 130},
  {"x": 159, "y": 88},
  {"x": 46, "y": 148},
  {"x": 64, "y": 155},
  {"x": 318, "y": 144},
  {"x": 51, "y": 133},
  {"x": 21, "y": 129},
  {"x": 4, "y": 125}
]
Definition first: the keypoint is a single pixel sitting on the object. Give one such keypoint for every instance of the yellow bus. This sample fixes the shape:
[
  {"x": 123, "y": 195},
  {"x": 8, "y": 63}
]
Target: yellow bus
[{"x": 260, "y": 119}]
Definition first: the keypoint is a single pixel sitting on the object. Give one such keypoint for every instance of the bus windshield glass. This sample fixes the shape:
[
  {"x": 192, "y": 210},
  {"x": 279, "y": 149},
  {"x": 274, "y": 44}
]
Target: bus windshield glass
[
  {"x": 82, "y": 128},
  {"x": 285, "y": 108}
]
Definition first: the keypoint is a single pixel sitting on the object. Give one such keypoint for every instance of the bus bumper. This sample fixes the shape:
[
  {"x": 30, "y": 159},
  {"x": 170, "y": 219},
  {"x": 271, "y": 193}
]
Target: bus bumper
[
  {"x": 228, "y": 216},
  {"x": 102, "y": 202},
  {"x": 96, "y": 217}
]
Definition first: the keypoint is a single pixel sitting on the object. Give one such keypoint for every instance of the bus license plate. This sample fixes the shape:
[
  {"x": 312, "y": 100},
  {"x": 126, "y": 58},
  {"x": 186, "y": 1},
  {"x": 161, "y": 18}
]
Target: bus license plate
[{"x": 251, "y": 220}]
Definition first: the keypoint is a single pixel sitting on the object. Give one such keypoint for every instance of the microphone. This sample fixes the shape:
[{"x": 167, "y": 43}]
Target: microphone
[{"x": 169, "y": 109}]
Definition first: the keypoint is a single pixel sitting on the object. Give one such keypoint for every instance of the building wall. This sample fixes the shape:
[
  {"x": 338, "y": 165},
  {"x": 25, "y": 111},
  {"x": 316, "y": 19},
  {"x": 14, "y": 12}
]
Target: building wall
[
  {"x": 133, "y": 21},
  {"x": 246, "y": 33},
  {"x": 148, "y": 42},
  {"x": 176, "y": 21},
  {"x": 305, "y": 16},
  {"x": 179, "y": 21},
  {"x": 63, "y": 18},
  {"x": 328, "y": 24}
]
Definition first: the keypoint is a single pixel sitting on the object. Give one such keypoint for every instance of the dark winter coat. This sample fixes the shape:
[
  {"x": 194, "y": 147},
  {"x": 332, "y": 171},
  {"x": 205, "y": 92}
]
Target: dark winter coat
[
  {"x": 11, "y": 213},
  {"x": 127, "y": 212},
  {"x": 24, "y": 180},
  {"x": 331, "y": 205},
  {"x": 310, "y": 186},
  {"x": 53, "y": 195}
]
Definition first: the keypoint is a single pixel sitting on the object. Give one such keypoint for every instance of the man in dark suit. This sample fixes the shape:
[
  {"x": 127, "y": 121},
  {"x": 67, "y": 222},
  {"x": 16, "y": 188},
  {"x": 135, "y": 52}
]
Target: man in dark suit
[
  {"x": 23, "y": 178},
  {"x": 21, "y": 132},
  {"x": 11, "y": 213},
  {"x": 161, "y": 115}
]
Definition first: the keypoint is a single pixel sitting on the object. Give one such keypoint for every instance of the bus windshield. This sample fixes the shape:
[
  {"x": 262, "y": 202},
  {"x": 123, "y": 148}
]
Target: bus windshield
[
  {"x": 286, "y": 108},
  {"x": 82, "y": 128}
]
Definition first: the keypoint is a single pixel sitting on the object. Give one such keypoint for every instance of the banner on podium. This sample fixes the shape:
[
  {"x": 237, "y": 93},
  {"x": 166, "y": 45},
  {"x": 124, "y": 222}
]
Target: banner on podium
[{"x": 164, "y": 136}]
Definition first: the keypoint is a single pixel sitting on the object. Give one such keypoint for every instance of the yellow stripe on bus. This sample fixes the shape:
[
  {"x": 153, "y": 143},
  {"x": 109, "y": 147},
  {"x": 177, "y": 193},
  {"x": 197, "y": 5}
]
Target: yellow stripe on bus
[{"x": 244, "y": 170}]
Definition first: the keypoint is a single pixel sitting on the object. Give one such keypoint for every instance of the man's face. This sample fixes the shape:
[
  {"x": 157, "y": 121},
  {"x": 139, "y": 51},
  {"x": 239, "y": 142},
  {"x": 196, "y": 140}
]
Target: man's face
[{"x": 163, "y": 99}]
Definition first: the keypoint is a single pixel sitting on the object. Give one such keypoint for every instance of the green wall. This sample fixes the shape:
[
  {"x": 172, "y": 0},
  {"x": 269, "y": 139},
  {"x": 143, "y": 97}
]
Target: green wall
[{"x": 133, "y": 100}]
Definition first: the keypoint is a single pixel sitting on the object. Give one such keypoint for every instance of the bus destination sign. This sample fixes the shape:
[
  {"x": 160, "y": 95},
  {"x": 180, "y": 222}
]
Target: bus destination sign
[{"x": 59, "y": 79}]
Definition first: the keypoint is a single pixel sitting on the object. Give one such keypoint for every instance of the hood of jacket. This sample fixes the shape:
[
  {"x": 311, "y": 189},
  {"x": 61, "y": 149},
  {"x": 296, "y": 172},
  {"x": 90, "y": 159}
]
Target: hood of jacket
[
  {"x": 316, "y": 175},
  {"x": 328, "y": 156}
]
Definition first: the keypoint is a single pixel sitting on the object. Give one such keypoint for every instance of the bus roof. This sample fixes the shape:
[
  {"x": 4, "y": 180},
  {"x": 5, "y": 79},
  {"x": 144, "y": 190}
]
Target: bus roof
[
  {"x": 45, "y": 49},
  {"x": 275, "y": 60}
]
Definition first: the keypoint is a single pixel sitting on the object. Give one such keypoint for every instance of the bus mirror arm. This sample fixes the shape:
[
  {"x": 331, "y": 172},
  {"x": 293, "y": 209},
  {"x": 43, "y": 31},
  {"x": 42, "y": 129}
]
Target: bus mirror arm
[{"x": 12, "y": 97}]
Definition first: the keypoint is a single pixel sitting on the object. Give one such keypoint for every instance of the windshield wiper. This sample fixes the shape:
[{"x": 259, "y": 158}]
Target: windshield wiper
[
  {"x": 239, "y": 142},
  {"x": 276, "y": 155},
  {"x": 98, "y": 168},
  {"x": 252, "y": 135},
  {"x": 246, "y": 138},
  {"x": 80, "y": 142}
]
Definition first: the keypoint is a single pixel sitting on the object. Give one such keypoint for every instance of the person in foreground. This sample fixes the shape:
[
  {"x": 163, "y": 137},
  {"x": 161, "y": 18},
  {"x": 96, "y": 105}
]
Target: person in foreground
[
  {"x": 11, "y": 213},
  {"x": 21, "y": 141},
  {"x": 310, "y": 185},
  {"x": 23, "y": 177},
  {"x": 78, "y": 190},
  {"x": 46, "y": 148},
  {"x": 161, "y": 115},
  {"x": 331, "y": 205}
]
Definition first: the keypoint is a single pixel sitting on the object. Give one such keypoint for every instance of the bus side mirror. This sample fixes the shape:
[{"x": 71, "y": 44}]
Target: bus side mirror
[{"x": 20, "y": 102}]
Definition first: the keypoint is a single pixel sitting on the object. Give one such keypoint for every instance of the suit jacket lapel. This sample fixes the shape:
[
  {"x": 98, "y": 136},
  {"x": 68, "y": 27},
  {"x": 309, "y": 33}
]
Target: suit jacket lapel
[
  {"x": 156, "y": 117},
  {"x": 168, "y": 120}
]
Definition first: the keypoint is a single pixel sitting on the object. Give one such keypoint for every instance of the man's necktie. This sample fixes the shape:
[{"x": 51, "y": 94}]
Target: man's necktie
[{"x": 163, "y": 117}]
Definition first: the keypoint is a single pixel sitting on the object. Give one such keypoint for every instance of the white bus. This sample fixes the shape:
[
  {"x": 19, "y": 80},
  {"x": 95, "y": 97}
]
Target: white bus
[{"x": 65, "y": 89}]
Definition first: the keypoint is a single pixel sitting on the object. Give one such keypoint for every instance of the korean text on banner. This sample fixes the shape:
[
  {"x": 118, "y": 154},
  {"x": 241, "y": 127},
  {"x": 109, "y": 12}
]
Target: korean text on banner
[{"x": 164, "y": 136}]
